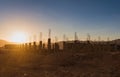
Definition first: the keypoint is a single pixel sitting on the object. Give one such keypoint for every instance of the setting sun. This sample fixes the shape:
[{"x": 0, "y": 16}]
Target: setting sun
[{"x": 19, "y": 37}]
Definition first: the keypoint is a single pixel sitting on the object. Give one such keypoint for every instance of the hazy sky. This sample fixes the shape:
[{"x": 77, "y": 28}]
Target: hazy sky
[{"x": 96, "y": 17}]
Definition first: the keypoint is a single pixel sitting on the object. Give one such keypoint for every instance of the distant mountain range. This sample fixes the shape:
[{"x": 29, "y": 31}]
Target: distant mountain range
[{"x": 3, "y": 42}]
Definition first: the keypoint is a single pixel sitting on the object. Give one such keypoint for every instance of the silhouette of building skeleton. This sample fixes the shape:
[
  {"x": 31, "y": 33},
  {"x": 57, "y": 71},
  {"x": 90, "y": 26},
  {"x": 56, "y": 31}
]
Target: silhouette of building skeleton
[{"x": 66, "y": 45}]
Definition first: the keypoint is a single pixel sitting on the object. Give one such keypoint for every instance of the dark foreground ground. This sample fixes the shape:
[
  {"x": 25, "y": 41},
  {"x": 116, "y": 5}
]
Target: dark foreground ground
[{"x": 20, "y": 63}]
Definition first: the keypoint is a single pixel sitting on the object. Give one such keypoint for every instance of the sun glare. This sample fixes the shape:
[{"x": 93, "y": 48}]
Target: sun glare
[{"x": 19, "y": 37}]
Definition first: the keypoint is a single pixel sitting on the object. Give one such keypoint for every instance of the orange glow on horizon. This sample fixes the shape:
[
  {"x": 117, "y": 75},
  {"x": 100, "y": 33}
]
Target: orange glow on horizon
[{"x": 19, "y": 37}]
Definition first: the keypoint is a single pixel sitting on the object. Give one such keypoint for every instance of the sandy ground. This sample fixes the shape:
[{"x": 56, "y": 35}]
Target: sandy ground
[{"x": 20, "y": 63}]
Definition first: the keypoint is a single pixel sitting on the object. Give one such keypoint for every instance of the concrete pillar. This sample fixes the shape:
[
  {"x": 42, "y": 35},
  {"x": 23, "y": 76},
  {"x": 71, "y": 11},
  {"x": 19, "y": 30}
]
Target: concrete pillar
[
  {"x": 40, "y": 45},
  {"x": 49, "y": 44}
]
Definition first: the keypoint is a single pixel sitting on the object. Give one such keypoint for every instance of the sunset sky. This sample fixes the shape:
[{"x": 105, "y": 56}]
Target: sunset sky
[{"x": 96, "y": 17}]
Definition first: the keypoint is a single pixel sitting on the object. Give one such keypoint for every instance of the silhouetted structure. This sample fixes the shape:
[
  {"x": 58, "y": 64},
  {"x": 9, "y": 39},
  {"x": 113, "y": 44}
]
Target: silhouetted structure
[
  {"x": 56, "y": 46},
  {"x": 67, "y": 45},
  {"x": 43, "y": 46},
  {"x": 30, "y": 45},
  {"x": 26, "y": 45},
  {"x": 40, "y": 42},
  {"x": 34, "y": 43},
  {"x": 49, "y": 40},
  {"x": 88, "y": 38},
  {"x": 64, "y": 42},
  {"x": 76, "y": 37}
]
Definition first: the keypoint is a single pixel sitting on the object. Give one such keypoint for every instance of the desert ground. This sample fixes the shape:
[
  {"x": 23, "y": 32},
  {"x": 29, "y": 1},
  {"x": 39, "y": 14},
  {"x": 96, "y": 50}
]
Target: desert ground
[{"x": 31, "y": 63}]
